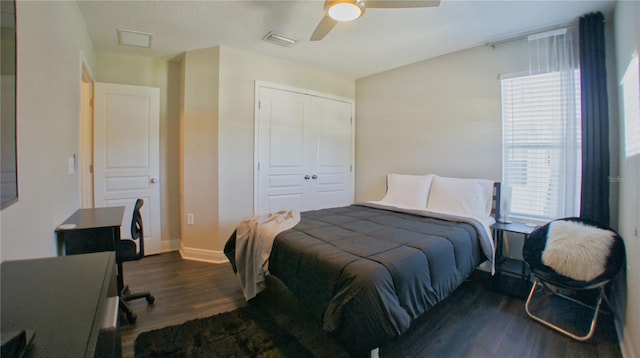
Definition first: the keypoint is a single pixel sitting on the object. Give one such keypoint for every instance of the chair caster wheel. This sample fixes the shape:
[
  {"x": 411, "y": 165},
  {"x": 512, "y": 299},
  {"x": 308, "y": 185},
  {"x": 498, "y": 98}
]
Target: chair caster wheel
[{"x": 150, "y": 299}]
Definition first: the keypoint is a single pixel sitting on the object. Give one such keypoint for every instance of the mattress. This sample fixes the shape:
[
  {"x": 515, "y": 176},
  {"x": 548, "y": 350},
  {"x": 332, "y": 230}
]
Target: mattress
[{"x": 367, "y": 272}]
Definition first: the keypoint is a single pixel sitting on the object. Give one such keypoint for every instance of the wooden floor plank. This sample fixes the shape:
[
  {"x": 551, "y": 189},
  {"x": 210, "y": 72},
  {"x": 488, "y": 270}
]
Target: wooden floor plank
[{"x": 475, "y": 321}]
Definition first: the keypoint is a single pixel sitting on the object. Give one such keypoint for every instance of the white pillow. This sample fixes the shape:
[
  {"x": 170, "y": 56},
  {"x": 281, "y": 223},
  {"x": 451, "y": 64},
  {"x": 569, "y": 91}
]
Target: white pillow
[
  {"x": 463, "y": 197},
  {"x": 577, "y": 250},
  {"x": 407, "y": 190}
]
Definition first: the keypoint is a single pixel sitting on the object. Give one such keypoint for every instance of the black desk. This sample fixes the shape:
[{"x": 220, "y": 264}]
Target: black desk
[
  {"x": 70, "y": 302},
  {"x": 95, "y": 230}
]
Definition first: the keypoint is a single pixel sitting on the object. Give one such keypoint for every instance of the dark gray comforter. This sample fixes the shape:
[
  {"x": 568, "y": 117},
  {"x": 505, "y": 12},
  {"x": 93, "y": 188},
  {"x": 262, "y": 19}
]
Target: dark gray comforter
[{"x": 368, "y": 272}]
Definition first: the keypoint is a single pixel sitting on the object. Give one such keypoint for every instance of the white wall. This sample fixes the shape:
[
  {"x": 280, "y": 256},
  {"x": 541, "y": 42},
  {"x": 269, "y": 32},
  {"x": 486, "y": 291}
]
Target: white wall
[
  {"x": 218, "y": 137},
  {"x": 199, "y": 152},
  {"x": 52, "y": 36},
  {"x": 439, "y": 116},
  {"x": 217, "y": 144},
  {"x": 627, "y": 41},
  {"x": 238, "y": 72},
  {"x": 443, "y": 116}
]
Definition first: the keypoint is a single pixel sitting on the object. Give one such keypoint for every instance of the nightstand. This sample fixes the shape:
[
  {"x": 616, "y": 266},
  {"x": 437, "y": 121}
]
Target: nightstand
[{"x": 507, "y": 266}]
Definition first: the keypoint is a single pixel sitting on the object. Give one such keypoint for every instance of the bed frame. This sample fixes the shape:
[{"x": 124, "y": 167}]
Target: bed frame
[
  {"x": 497, "y": 201},
  {"x": 285, "y": 260}
]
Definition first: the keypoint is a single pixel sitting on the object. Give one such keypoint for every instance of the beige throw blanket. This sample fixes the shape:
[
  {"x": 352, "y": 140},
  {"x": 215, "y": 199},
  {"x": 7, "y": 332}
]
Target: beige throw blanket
[{"x": 254, "y": 240}]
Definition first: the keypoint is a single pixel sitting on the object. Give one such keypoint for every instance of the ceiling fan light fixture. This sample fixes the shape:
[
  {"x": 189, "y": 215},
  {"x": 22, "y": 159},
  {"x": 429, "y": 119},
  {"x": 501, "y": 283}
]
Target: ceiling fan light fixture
[{"x": 345, "y": 10}]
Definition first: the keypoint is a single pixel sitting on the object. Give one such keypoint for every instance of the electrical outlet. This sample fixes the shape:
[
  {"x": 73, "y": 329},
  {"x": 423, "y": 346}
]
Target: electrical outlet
[{"x": 190, "y": 219}]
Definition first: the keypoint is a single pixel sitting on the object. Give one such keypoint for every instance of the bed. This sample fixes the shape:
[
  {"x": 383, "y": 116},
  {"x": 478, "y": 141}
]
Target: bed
[{"x": 370, "y": 269}]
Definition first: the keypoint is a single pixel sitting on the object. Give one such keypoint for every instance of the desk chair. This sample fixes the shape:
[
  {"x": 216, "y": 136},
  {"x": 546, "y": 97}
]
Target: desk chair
[
  {"x": 571, "y": 255},
  {"x": 128, "y": 250}
]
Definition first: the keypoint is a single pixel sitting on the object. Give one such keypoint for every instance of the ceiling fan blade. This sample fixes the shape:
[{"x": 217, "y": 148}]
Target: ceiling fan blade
[
  {"x": 323, "y": 28},
  {"x": 398, "y": 4}
]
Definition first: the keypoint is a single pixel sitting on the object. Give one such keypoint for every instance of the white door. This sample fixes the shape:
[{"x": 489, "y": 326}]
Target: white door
[
  {"x": 304, "y": 148},
  {"x": 126, "y": 150},
  {"x": 281, "y": 150},
  {"x": 331, "y": 123}
]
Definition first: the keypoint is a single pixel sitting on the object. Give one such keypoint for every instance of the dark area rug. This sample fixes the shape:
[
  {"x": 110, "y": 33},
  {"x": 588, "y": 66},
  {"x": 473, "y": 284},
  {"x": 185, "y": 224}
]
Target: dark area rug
[{"x": 245, "y": 332}]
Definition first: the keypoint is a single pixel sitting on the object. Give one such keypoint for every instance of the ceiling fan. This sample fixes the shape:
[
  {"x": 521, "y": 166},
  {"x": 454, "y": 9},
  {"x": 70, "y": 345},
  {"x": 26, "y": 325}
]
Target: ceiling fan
[{"x": 348, "y": 10}]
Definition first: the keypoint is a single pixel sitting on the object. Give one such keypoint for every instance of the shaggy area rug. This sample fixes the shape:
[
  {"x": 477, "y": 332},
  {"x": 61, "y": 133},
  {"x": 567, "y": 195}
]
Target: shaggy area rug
[{"x": 245, "y": 332}]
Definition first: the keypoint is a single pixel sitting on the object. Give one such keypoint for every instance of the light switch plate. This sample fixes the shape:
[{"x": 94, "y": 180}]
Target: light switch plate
[{"x": 72, "y": 165}]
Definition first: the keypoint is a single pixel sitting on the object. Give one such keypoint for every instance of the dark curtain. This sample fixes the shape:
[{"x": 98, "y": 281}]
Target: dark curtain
[{"x": 595, "y": 120}]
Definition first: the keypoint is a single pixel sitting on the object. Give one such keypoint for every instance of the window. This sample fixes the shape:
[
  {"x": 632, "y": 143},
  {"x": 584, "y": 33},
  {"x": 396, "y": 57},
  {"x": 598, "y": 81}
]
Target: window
[
  {"x": 630, "y": 95},
  {"x": 541, "y": 145}
]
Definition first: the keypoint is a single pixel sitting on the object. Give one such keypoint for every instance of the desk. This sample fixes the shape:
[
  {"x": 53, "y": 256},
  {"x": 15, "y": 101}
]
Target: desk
[
  {"x": 96, "y": 229},
  {"x": 70, "y": 302}
]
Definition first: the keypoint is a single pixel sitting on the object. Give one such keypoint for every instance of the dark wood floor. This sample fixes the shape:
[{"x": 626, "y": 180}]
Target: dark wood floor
[{"x": 475, "y": 321}]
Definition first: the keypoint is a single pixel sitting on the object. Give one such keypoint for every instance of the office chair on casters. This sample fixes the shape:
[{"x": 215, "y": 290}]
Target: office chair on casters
[
  {"x": 128, "y": 250},
  {"x": 572, "y": 255}
]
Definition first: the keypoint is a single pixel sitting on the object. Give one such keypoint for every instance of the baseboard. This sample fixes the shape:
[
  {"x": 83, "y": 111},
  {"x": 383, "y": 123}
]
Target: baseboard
[
  {"x": 170, "y": 245},
  {"x": 620, "y": 311},
  {"x": 626, "y": 348},
  {"x": 212, "y": 256}
]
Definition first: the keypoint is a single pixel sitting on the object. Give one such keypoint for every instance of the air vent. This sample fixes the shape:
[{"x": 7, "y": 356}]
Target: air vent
[
  {"x": 279, "y": 39},
  {"x": 134, "y": 38}
]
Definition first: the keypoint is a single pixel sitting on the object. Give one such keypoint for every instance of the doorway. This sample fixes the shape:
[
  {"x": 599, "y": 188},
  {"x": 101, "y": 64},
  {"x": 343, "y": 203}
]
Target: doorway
[
  {"x": 86, "y": 138},
  {"x": 126, "y": 152}
]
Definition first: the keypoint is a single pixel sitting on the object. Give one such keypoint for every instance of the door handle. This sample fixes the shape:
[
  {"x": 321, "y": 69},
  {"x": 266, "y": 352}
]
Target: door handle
[
  {"x": 307, "y": 177},
  {"x": 154, "y": 180},
  {"x": 314, "y": 176}
]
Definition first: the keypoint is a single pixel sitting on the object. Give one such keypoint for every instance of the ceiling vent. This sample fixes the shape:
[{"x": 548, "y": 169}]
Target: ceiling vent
[
  {"x": 134, "y": 38},
  {"x": 279, "y": 39}
]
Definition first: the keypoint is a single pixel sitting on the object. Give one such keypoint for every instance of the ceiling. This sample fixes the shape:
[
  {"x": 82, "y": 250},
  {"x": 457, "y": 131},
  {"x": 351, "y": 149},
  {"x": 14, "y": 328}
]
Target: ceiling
[{"x": 380, "y": 40}]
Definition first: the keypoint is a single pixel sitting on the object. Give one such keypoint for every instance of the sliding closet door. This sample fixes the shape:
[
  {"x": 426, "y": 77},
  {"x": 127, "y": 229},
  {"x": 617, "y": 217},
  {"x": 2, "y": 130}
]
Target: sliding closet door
[{"x": 304, "y": 146}]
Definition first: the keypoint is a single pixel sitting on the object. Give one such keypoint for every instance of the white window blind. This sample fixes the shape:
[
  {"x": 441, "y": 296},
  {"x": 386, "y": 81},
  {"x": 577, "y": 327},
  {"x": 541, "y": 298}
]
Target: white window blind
[
  {"x": 541, "y": 145},
  {"x": 631, "y": 97}
]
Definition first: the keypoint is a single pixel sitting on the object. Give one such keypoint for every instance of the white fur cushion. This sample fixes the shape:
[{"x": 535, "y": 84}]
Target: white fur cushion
[
  {"x": 576, "y": 250},
  {"x": 407, "y": 190}
]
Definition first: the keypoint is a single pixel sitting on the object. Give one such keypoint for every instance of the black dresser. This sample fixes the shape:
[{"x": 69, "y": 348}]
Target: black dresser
[{"x": 70, "y": 303}]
